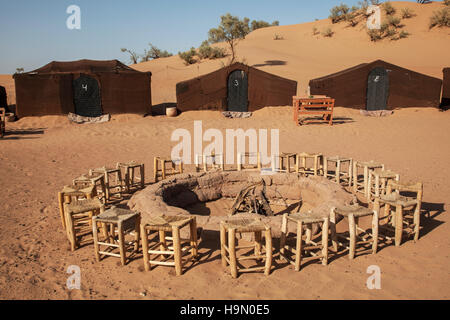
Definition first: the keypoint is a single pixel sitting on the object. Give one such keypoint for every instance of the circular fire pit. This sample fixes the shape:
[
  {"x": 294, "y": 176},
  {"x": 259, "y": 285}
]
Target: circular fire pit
[{"x": 180, "y": 195}]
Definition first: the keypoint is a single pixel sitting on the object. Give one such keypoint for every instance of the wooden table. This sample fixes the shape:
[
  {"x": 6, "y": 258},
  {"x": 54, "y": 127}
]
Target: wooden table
[{"x": 313, "y": 106}]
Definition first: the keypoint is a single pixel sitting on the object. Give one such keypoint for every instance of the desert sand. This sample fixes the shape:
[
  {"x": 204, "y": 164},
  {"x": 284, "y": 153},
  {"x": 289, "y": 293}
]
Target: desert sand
[{"x": 41, "y": 154}]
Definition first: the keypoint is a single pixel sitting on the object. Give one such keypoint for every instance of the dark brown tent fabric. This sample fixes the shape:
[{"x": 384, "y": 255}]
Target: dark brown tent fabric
[
  {"x": 210, "y": 90},
  {"x": 49, "y": 90},
  {"x": 445, "y": 103},
  {"x": 3, "y": 98},
  {"x": 406, "y": 87}
]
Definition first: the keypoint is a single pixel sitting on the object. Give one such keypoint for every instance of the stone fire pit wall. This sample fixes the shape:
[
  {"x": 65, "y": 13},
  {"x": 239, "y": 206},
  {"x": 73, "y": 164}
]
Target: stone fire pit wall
[{"x": 170, "y": 196}]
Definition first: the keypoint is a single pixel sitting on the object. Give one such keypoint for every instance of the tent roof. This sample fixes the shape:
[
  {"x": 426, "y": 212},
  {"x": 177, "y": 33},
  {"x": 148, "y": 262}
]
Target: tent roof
[
  {"x": 85, "y": 65},
  {"x": 363, "y": 65}
]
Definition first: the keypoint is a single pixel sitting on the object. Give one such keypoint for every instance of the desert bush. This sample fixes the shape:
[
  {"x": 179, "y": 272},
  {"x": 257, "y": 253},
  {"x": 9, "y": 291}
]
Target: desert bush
[
  {"x": 403, "y": 34},
  {"x": 351, "y": 18},
  {"x": 338, "y": 13},
  {"x": 375, "y": 35},
  {"x": 328, "y": 32},
  {"x": 205, "y": 51},
  {"x": 258, "y": 24},
  {"x": 390, "y": 32},
  {"x": 440, "y": 18},
  {"x": 315, "y": 31},
  {"x": 407, "y": 13},
  {"x": 188, "y": 56},
  {"x": 277, "y": 37},
  {"x": 394, "y": 21},
  {"x": 388, "y": 8}
]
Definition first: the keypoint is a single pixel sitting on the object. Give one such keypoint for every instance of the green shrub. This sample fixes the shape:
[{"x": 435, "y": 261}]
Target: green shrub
[
  {"x": 394, "y": 21},
  {"x": 338, "y": 13},
  {"x": 278, "y": 37},
  {"x": 388, "y": 8},
  {"x": 375, "y": 35},
  {"x": 403, "y": 34},
  {"x": 328, "y": 32},
  {"x": 440, "y": 18},
  {"x": 188, "y": 56},
  {"x": 390, "y": 32},
  {"x": 205, "y": 51},
  {"x": 408, "y": 13}
]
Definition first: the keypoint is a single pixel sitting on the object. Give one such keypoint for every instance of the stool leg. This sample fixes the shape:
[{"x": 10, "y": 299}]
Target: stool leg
[
  {"x": 366, "y": 178},
  {"x": 268, "y": 236},
  {"x": 416, "y": 222},
  {"x": 355, "y": 177},
  {"x": 325, "y": 167},
  {"x": 121, "y": 244},
  {"x": 193, "y": 234},
  {"x": 163, "y": 168},
  {"x": 61, "y": 209},
  {"x": 177, "y": 249},
  {"x": 352, "y": 230},
  {"x": 338, "y": 171},
  {"x": 137, "y": 236},
  {"x": 70, "y": 229},
  {"x": 95, "y": 235},
  {"x": 375, "y": 232},
  {"x": 258, "y": 238},
  {"x": 142, "y": 169},
  {"x": 398, "y": 225},
  {"x": 308, "y": 233},
  {"x": 162, "y": 240},
  {"x": 144, "y": 239},
  {"x": 325, "y": 241},
  {"x": 333, "y": 230},
  {"x": 223, "y": 240},
  {"x": 155, "y": 169},
  {"x": 232, "y": 253},
  {"x": 298, "y": 247},
  {"x": 283, "y": 237}
]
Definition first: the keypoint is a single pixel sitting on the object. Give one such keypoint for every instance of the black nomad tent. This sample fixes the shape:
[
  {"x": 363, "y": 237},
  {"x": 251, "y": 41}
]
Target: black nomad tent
[
  {"x": 85, "y": 87},
  {"x": 379, "y": 85}
]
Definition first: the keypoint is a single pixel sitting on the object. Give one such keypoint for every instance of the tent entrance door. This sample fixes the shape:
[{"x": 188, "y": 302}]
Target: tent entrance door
[
  {"x": 377, "y": 89},
  {"x": 86, "y": 97},
  {"x": 237, "y": 98}
]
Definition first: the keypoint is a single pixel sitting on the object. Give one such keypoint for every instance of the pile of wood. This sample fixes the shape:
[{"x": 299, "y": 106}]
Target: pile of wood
[{"x": 252, "y": 199}]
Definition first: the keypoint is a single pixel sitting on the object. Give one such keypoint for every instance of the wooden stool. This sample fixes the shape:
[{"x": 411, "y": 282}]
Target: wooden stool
[
  {"x": 340, "y": 173},
  {"x": 229, "y": 249},
  {"x": 281, "y": 167},
  {"x": 129, "y": 175},
  {"x": 126, "y": 222},
  {"x": 316, "y": 167},
  {"x": 398, "y": 218},
  {"x": 69, "y": 193},
  {"x": 378, "y": 181},
  {"x": 241, "y": 157},
  {"x": 209, "y": 159},
  {"x": 178, "y": 249},
  {"x": 159, "y": 167},
  {"x": 78, "y": 215},
  {"x": 97, "y": 180},
  {"x": 304, "y": 219},
  {"x": 353, "y": 213},
  {"x": 113, "y": 187},
  {"x": 362, "y": 186}
]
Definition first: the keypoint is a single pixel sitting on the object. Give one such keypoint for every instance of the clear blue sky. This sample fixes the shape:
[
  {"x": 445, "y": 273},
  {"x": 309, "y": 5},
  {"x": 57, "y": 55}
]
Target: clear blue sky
[{"x": 34, "y": 32}]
